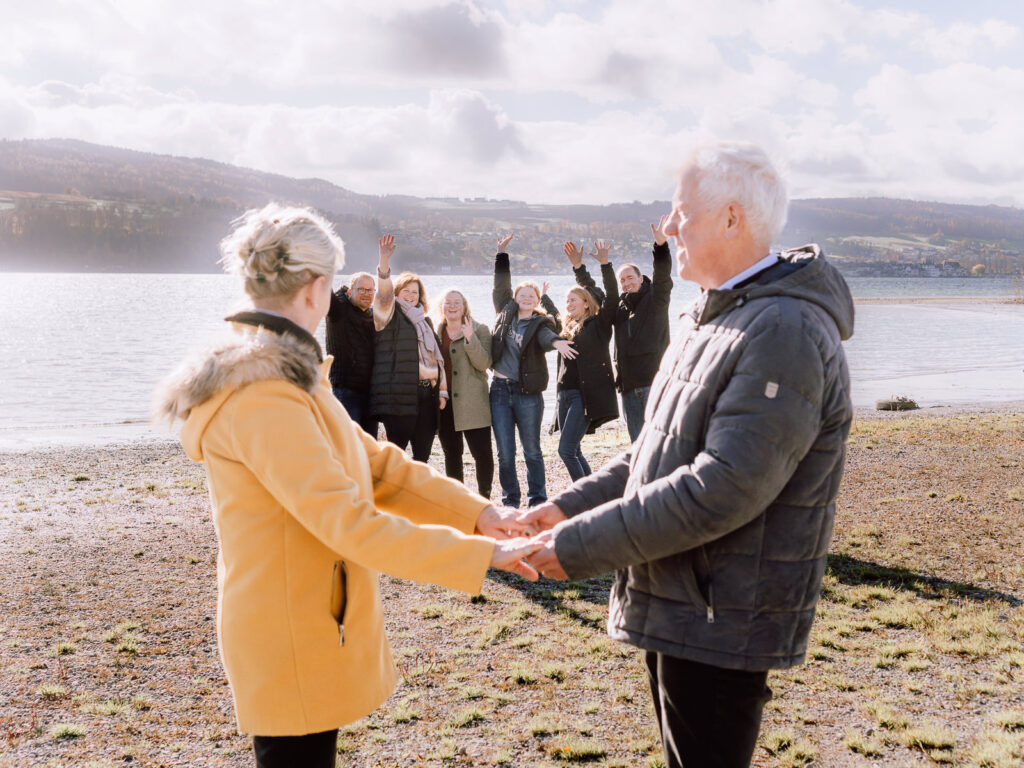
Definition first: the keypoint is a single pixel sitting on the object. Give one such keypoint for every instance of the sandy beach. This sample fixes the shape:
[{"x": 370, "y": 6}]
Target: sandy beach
[{"x": 108, "y": 653}]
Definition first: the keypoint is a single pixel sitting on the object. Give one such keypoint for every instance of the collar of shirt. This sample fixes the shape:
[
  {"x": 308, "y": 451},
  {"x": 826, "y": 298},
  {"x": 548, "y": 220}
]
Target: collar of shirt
[{"x": 750, "y": 271}]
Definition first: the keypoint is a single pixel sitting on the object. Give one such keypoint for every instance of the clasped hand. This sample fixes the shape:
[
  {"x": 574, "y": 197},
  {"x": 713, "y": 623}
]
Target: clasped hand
[{"x": 538, "y": 551}]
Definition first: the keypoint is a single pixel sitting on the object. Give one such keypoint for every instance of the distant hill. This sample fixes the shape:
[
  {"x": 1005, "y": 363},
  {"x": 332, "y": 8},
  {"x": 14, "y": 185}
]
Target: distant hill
[{"x": 73, "y": 206}]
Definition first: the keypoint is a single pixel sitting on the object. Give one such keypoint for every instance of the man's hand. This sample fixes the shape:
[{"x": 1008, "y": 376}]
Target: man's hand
[
  {"x": 502, "y": 523},
  {"x": 503, "y": 242},
  {"x": 660, "y": 238},
  {"x": 600, "y": 252},
  {"x": 544, "y": 559},
  {"x": 574, "y": 254},
  {"x": 543, "y": 517},
  {"x": 508, "y": 556}
]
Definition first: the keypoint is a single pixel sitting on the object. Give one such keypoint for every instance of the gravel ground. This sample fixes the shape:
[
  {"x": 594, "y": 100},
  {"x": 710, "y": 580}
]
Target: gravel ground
[{"x": 108, "y": 655}]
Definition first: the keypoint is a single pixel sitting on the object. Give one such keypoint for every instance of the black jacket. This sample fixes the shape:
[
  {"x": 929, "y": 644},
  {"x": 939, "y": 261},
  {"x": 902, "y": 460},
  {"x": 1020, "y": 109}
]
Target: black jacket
[
  {"x": 718, "y": 517},
  {"x": 396, "y": 368},
  {"x": 641, "y": 321},
  {"x": 594, "y": 363},
  {"x": 349, "y": 337},
  {"x": 539, "y": 338}
]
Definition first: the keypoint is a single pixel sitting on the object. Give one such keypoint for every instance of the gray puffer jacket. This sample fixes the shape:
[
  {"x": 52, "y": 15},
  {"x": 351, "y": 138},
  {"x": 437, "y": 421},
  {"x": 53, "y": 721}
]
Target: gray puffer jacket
[{"x": 718, "y": 518}]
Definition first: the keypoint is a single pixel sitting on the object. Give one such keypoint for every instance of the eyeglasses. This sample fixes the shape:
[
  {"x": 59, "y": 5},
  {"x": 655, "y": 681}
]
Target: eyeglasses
[{"x": 364, "y": 290}]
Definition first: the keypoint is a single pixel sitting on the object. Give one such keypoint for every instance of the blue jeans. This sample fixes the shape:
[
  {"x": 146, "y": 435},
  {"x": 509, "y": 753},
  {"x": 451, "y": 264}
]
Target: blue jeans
[
  {"x": 573, "y": 424},
  {"x": 358, "y": 406},
  {"x": 634, "y": 403},
  {"x": 510, "y": 409}
]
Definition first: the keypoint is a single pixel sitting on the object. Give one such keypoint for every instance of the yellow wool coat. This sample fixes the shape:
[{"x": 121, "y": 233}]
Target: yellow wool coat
[{"x": 308, "y": 508}]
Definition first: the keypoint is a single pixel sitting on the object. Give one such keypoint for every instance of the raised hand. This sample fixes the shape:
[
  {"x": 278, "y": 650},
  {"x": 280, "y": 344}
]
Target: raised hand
[
  {"x": 543, "y": 517},
  {"x": 385, "y": 247},
  {"x": 600, "y": 251},
  {"x": 508, "y": 556},
  {"x": 545, "y": 559},
  {"x": 467, "y": 327},
  {"x": 660, "y": 237},
  {"x": 544, "y": 288},
  {"x": 502, "y": 523},
  {"x": 503, "y": 242},
  {"x": 574, "y": 254},
  {"x": 565, "y": 349}
]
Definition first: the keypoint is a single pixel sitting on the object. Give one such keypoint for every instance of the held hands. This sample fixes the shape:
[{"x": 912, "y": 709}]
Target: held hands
[
  {"x": 541, "y": 518},
  {"x": 508, "y": 556},
  {"x": 544, "y": 558},
  {"x": 600, "y": 252},
  {"x": 574, "y": 254},
  {"x": 660, "y": 238},
  {"x": 503, "y": 242},
  {"x": 504, "y": 523}
]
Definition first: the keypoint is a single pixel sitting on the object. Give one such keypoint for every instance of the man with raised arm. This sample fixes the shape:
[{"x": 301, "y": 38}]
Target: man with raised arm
[
  {"x": 718, "y": 517},
  {"x": 349, "y": 336},
  {"x": 640, "y": 322}
]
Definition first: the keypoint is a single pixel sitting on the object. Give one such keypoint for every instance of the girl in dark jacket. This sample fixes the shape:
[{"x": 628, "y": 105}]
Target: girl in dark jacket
[
  {"x": 523, "y": 333},
  {"x": 586, "y": 385},
  {"x": 408, "y": 386}
]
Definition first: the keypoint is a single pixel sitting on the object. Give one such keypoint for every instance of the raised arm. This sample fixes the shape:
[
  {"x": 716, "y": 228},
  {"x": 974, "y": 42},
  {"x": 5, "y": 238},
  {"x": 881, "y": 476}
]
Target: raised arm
[
  {"x": 579, "y": 270},
  {"x": 661, "y": 279},
  {"x": 502, "y": 293},
  {"x": 384, "y": 301},
  {"x": 610, "y": 303}
]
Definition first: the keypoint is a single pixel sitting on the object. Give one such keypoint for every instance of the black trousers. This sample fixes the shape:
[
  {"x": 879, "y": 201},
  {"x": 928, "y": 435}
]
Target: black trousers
[
  {"x": 419, "y": 429},
  {"x": 480, "y": 447},
  {"x": 709, "y": 717},
  {"x": 314, "y": 750}
]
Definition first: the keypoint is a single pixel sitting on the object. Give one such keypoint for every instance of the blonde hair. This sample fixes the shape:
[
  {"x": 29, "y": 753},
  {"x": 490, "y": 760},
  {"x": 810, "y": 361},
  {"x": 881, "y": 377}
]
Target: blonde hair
[
  {"x": 590, "y": 307},
  {"x": 405, "y": 279},
  {"x": 442, "y": 321},
  {"x": 277, "y": 250},
  {"x": 536, "y": 289}
]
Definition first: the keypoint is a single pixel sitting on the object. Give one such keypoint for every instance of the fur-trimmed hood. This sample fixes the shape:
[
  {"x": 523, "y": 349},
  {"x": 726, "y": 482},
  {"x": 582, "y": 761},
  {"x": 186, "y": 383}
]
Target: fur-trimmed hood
[{"x": 197, "y": 389}]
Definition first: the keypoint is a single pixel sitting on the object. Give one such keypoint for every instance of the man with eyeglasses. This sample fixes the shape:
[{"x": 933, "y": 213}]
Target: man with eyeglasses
[{"x": 349, "y": 337}]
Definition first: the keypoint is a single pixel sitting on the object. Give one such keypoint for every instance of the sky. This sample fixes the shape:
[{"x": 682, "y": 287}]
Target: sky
[{"x": 579, "y": 101}]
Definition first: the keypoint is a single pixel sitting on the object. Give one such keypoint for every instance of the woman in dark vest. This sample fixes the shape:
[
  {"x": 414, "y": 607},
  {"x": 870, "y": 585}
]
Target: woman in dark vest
[
  {"x": 523, "y": 333},
  {"x": 408, "y": 385},
  {"x": 466, "y": 349},
  {"x": 586, "y": 385}
]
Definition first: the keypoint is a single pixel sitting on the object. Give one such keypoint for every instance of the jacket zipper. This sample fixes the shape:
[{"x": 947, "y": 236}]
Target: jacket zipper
[{"x": 711, "y": 587}]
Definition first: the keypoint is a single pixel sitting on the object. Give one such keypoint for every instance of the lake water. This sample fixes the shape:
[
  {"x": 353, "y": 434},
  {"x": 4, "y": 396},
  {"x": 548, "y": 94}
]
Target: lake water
[{"x": 82, "y": 352}]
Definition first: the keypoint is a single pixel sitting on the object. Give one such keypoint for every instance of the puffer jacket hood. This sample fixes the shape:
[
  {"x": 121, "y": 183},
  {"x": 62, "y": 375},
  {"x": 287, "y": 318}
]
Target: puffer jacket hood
[
  {"x": 810, "y": 277},
  {"x": 197, "y": 389}
]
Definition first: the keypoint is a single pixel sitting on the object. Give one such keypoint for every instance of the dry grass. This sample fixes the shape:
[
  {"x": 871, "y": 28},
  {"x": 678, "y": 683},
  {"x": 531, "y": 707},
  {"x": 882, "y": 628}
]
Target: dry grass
[{"x": 107, "y": 638}]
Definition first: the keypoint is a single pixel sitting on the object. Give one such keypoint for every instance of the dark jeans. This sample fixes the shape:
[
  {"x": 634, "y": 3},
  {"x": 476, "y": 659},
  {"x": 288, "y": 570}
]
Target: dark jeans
[
  {"x": 418, "y": 429},
  {"x": 572, "y": 424},
  {"x": 509, "y": 410},
  {"x": 479, "y": 441},
  {"x": 358, "y": 406},
  {"x": 634, "y": 402},
  {"x": 314, "y": 750},
  {"x": 708, "y": 716}
]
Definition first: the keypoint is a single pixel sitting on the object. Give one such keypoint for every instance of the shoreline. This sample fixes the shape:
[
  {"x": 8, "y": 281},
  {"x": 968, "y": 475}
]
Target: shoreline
[{"x": 94, "y": 437}]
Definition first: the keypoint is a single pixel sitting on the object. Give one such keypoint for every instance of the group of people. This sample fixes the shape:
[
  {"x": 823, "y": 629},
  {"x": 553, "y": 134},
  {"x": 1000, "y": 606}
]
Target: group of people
[
  {"x": 392, "y": 366},
  {"x": 716, "y": 518}
]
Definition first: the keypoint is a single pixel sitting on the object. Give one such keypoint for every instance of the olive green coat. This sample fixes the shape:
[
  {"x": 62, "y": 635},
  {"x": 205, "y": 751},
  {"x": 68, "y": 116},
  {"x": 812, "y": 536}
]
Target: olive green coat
[{"x": 468, "y": 388}]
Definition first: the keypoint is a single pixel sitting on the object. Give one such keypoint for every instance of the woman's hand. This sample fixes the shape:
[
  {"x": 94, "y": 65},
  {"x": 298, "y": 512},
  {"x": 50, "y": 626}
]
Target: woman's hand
[
  {"x": 544, "y": 288},
  {"x": 467, "y": 328},
  {"x": 574, "y": 254},
  {"x": 385, "y": 247},
  {"x": 565, "y": 349},
  {"x": 600, "y": 252},
  {"x": 508, "y": 556},
  {"x": 443, "y": 401},
  {"x": 503, "y": 523},
  {"x": 660, "y": 238},
  {"x": 503, "y": 242}
]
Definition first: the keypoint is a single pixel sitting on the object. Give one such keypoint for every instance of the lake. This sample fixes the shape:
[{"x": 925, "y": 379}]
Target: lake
[{"x": 83, "y": 352}]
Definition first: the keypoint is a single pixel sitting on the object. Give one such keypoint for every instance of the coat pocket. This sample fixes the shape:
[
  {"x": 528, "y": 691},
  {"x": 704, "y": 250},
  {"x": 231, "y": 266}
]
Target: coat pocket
[{"x": 339, "y": 598}]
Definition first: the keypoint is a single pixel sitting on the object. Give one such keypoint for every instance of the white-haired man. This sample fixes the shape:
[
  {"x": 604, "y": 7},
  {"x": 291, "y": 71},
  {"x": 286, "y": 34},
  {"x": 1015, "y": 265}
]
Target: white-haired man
[{"x": 718, "y": 517}]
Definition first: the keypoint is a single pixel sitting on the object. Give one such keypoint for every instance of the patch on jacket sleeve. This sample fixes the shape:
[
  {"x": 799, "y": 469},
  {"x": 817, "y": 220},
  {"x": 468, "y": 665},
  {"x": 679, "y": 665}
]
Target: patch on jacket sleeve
[{"x": 771, "y": 389}]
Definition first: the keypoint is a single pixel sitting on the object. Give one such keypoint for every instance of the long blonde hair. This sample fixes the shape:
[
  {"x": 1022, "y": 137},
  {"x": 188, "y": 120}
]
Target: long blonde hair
[
  {"x": 590, "y": 307},
  {"x": 442, "y": 321}
]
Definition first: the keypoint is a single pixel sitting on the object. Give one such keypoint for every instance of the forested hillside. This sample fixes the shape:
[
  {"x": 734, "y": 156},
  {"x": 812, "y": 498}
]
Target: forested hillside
[{"x": 72, "y": 206}]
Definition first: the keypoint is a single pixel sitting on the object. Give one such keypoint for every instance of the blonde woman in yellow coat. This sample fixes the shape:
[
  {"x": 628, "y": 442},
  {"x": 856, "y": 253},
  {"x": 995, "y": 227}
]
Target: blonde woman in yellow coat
[{"x": 308, "y": 507}]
